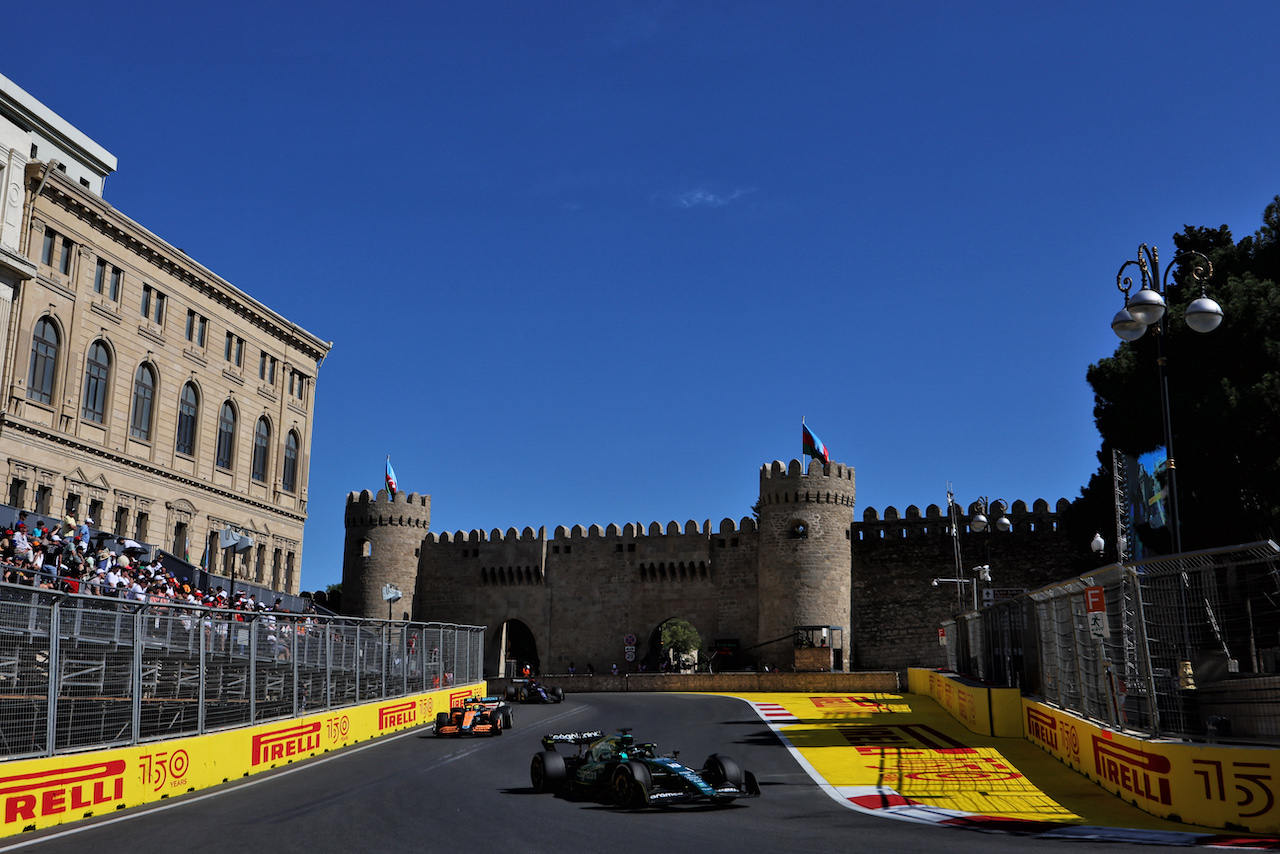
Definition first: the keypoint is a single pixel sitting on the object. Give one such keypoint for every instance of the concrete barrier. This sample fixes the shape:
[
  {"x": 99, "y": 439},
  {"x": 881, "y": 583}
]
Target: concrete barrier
[
  {"x": 982, "y": 709},
  {"x": 878, "y": 682},
  {"x": 1215, "y": 785},
  {"x": 39, "y": 793}
]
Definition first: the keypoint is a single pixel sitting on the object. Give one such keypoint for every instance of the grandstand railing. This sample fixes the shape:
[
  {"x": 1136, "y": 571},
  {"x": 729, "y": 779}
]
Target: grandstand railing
[
  {"x": 83, "y": 672},
  {"x": 1189, "y": 645}
]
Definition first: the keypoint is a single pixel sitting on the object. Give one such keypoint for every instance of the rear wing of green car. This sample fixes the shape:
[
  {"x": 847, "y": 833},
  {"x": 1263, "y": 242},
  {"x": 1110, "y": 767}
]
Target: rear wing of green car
[{"x": 550, "y": 740}]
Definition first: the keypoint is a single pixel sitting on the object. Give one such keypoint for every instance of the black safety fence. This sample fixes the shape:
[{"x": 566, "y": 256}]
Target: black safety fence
[
  {"x": 1185, "y": 646},
  {"x": 80, "y": 672}
]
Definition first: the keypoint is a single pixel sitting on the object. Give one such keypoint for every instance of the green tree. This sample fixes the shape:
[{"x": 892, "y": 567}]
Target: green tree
[
  {"x": 679, "y": 635},
  {"x": 1224, "y": 390}
]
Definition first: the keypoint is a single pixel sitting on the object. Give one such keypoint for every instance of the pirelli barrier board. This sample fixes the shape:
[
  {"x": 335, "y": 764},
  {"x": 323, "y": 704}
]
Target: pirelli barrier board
[
  {"x": 39, "y": 793},
  {"x": 985, "y": 711},
  {"x": 1230, "y": 787}
]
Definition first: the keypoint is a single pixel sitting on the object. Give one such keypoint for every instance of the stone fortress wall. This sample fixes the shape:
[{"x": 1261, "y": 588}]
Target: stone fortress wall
[
  {"x": 897, "y": 610},
  {"x": 579, "y": 592}
]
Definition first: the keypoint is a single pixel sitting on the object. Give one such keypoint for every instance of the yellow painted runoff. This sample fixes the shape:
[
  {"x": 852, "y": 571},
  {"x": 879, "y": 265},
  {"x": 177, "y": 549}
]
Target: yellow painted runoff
[{"x": 909, "y": 744}]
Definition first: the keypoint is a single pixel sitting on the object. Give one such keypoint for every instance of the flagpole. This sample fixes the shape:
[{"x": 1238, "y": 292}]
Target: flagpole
[{"x": 804, "y": 458}]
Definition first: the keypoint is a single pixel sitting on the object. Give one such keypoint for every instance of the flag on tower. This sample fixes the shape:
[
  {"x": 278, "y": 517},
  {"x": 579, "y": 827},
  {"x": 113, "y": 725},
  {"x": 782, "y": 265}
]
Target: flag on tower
[
  {"x": 391, "y": 479},
  {"x": 813, "y": 446}
]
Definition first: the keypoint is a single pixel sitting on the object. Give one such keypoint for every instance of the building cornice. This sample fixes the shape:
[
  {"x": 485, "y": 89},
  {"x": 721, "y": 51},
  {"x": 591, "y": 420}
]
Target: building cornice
[
  {"x": 31, "y": 115},
  {"x": 103, "y": 217}
]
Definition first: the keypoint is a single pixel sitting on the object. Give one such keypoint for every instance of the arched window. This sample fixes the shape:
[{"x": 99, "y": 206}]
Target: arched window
[
  {"x": 261, "y": 441},
  {"x": 44, "y": 358},
  {"x": 97, "y": 372},
  {"x": 188, "y": 414},
  {"x": 144, "y": 392},
  {"x": 290, "y": 475},
  {"x": 226, "y": 436}
]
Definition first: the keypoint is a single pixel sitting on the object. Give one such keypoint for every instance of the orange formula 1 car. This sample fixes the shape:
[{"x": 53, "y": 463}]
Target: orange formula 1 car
[{"x": 473, "y": 717}]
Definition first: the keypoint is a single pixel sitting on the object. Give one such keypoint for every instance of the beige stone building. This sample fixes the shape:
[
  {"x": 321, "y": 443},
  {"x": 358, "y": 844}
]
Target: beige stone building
[{"x": 139, "y": 387}]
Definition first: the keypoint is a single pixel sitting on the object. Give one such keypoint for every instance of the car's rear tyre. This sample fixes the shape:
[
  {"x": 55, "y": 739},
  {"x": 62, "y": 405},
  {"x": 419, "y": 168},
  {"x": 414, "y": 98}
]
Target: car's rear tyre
[
  {"x": 547, "y": 771},
  {"x": 630, "y": 785},
  {"x": 508, "y": 719},
  {"x": 558, "y": 693},
  {"x": 522, "y": 694},
  {"x": 495, "y": 720},
  {"x": 721, "y": 769}
]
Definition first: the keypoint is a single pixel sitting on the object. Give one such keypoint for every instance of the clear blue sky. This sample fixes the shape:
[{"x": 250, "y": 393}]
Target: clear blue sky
[{"x": 590, "y": 262}]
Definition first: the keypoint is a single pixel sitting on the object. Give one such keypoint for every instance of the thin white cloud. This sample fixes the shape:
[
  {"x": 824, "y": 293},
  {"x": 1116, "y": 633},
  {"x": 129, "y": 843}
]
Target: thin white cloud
[{"x": 705, "y": 198}]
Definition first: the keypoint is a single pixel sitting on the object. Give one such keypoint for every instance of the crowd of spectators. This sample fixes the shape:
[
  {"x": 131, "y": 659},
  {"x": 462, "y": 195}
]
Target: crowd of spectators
[{"x": 71, "y": 558}]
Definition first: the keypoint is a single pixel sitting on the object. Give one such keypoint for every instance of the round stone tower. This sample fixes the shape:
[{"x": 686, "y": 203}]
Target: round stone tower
[
  {"x": 805, "y": 555},
  {"x": 383, "y": 545}
]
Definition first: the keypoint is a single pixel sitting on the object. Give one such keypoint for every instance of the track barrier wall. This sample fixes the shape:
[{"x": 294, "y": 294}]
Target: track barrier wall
[
  {"x": 41, "y": 793},
  {"x": 982, "y": 709},
  {"x": 1233, "y": 787}
]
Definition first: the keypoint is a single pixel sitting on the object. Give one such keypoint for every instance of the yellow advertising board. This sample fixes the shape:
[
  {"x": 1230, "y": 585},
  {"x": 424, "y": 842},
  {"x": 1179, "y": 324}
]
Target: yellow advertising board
[
  {"x": 986, "y": 711},
  {"x": 1230, "y": 787},
  {"x": 38, "y": 793}
]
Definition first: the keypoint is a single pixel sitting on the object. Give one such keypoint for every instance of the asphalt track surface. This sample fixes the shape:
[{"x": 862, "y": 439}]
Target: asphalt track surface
[{"x": 414, "y": 792}]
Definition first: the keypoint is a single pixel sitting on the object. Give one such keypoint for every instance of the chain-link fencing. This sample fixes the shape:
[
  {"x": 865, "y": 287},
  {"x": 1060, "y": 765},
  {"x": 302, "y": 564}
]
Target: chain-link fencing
[
  {"x": 80, "y": 672},
  {"x": 1185, "y": 646}
]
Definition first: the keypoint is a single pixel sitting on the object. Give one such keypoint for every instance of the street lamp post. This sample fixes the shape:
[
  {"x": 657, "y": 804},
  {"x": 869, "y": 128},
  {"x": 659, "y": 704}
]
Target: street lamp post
[
  {"x": 1148, "y": 308},
  {"x": 982, "y": 525}
]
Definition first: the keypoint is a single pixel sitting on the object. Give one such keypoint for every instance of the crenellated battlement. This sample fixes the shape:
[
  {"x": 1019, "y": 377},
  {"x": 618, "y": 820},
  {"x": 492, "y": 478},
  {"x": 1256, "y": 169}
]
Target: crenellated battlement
[
  {"x": 777, "y": 470},
  {"x": 629, "y": 531},
  {"x": 823, "y": 483},
  {"x": 1039, "y": 519},
  {"x": 406, "y": 509}
]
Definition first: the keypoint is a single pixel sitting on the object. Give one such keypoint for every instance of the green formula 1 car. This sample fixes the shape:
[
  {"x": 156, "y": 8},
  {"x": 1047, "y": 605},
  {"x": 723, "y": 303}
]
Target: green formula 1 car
[{"x": 619, "y": 770}]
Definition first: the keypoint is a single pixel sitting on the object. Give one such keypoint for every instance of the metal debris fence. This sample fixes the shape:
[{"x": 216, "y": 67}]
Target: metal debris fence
[
  {"x": 81, "y": 672},
  {"x": 1185, "y": 646}
]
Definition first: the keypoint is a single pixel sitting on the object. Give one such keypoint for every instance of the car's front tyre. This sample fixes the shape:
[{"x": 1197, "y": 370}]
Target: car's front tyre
[
  {"x": 718, "y": 770},
  {"x": 630, "y": 785},
  {"x": 721, "y": 769}
]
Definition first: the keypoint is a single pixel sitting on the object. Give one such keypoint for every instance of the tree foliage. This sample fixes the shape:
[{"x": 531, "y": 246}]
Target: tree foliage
[
  {"x": 1224, "y": 393},
  {"x": 679, "y": 635}
]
